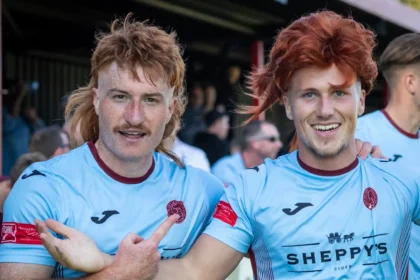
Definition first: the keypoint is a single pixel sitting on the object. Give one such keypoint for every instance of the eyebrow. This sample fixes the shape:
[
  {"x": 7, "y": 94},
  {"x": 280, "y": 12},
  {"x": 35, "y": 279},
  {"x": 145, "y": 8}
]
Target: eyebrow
[
  {"x": 307, "y": 89},
  {"x": 331, "y": 87},
  {"x": 116, "y": 90}
]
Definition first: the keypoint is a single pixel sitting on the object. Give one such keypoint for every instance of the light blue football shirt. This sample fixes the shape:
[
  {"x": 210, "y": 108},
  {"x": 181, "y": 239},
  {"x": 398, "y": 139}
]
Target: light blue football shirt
[
  {"x": 79, "y": 190},
  {"x": 227, "y": 168},
  {"x": 298, "y": 222},
  {"x": 401, "y": 147}
]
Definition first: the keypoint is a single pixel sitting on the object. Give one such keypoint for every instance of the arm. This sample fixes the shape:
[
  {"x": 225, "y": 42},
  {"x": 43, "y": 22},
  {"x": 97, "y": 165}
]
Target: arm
[
  {"x": 135, "y": 259},
  {"x": 226, "y": 239},
  {"x": 209, "y": 258},
  {"x": 18, "y": 271},
  {"x": 21, "y": 252}
]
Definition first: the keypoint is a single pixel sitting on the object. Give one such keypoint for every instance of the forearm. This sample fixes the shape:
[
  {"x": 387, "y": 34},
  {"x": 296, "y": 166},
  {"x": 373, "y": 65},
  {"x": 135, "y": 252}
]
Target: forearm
[
  {"x": 176, "y": 269},
  {"x": 107, "y": 273},
  {"x": 208, "y": 259},
  {"x": 16, "y": 108}
]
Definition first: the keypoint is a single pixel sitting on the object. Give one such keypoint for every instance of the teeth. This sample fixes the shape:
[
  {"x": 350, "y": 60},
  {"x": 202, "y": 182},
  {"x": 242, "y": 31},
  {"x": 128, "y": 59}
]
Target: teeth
[
  {"x": 325, "y": 127},
  {"x": 132, "y": 133}
]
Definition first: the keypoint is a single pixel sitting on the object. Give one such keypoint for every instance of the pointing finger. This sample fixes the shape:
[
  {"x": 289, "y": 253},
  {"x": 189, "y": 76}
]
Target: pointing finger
[
  {"x": 60, "y": 228},
  {"x": 163, "y": 229},
  {"x": 48, "y": 240}
]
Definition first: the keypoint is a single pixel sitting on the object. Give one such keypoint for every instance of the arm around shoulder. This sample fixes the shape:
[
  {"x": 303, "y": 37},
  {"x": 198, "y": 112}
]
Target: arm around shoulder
[{"x": 209, "y": 259}]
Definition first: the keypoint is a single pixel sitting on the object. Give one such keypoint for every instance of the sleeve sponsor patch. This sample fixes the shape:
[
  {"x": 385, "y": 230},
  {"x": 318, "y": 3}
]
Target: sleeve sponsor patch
[
  {"x": 225, "y": 213},
  {"x": 20, "y": 234}
]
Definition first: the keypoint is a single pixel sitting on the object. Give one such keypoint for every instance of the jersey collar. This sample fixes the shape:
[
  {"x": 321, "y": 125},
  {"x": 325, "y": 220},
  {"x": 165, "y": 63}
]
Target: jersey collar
[{"x": 111, "y": 173}]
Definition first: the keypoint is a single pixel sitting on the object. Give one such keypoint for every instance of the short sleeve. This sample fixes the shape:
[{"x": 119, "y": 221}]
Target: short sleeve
[
  {"x": 214, "y": 191},
  {"x": 36, "y": 195},
  {"x": 224, "y": 172},
  {"x": 231, "y": 223},
  {"x": 219, "y": 170}
]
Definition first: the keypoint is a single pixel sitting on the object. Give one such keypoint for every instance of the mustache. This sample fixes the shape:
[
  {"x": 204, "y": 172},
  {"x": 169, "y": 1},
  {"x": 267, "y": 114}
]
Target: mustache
[{"x": 141, "y": 128}]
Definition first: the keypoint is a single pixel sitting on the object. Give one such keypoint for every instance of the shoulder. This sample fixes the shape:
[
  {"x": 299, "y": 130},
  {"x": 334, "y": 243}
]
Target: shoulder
[
  {"x": 223, "y": 161},
  {"x": 277, "y": 170},
  {"x": 402, "y": 173},
  {"x": 370, "y": 116},
  {"x": 369, "y": 119},
  {"x": 54, "y": 171},
  {"x": 68, "y": 162},
  {"x": 253, "y": 180},
  {"x": 188, "y": 175},
  {"x": 368, "y": 125}
]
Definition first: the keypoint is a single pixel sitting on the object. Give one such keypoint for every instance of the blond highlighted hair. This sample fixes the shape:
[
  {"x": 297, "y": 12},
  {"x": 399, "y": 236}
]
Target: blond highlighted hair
[{"x": 130, "y": 44}]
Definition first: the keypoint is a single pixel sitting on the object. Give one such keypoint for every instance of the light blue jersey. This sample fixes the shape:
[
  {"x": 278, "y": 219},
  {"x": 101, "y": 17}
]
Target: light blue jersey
[
  {"x": 401, "y": 147},
  {"x": 228, "y": 167},
  {"x": 79, "y": 190},
  {"x": 298, "y": 222}
]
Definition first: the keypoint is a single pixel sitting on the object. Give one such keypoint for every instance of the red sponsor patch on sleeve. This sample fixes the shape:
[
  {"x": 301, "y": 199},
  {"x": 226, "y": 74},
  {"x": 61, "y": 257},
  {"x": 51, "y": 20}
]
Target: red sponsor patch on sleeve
[
  {"x": 225, "y": 213},
  {"x": 20, "y": 234}
]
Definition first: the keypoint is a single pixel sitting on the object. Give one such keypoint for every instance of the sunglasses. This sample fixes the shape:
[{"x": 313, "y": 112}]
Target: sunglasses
[{"x": 268, "y": 138}]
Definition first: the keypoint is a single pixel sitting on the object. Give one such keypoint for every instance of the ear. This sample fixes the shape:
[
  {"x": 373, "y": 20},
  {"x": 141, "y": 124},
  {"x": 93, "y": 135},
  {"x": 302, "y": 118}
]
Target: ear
[
  {"x": 361, "y": 107},
  {"x": 96, "y": 99},
  {"x": 171, "y": 108},
  {"x": 287, "y": 107},
  {"x": 254, "y": 144},
  {"x": 411, "y": 83}
]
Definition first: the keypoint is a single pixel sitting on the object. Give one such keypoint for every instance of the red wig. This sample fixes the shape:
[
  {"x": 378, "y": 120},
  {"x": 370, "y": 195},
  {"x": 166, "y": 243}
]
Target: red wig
[{"x": 319, "y": 39}]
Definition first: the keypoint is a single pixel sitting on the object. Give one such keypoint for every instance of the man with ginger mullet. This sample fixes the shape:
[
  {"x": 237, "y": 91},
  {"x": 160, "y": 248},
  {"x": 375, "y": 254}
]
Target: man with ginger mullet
[
  {"x": 322, "y": 214},
  {"x": 115, "y": 183}
]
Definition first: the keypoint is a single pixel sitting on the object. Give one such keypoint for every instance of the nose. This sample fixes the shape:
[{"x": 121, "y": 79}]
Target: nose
[
  {"x": 134, "y": 113},
  {"x": 325, "y": 108}
]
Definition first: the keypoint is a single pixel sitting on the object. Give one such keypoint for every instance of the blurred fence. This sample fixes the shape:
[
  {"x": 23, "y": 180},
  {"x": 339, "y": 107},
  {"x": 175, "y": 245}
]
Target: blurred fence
[{"x": 57, "y": 75}]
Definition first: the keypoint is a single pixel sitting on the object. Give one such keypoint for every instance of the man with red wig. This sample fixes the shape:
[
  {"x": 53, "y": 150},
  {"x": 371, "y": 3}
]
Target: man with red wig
[{"x": 319, "y": 212}]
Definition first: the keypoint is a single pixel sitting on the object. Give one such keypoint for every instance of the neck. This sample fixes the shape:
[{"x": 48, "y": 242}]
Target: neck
[
  {"x": 129, "y": 169},
  {"x": 251, "y": 159},
  {"x": 405, "y": 114},
  {"x": 345, "y": 158}
]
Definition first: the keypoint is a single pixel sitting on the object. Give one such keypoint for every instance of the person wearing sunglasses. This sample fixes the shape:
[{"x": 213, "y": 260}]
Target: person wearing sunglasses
[{"x": 258, "y": 140}]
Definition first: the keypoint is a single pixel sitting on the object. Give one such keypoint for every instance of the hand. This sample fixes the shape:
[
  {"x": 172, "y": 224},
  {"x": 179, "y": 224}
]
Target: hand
[
  {"x": 366, "y": 148},
  {"x": 139, "y": 259},
  {"x": 78, "y": 251}
]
